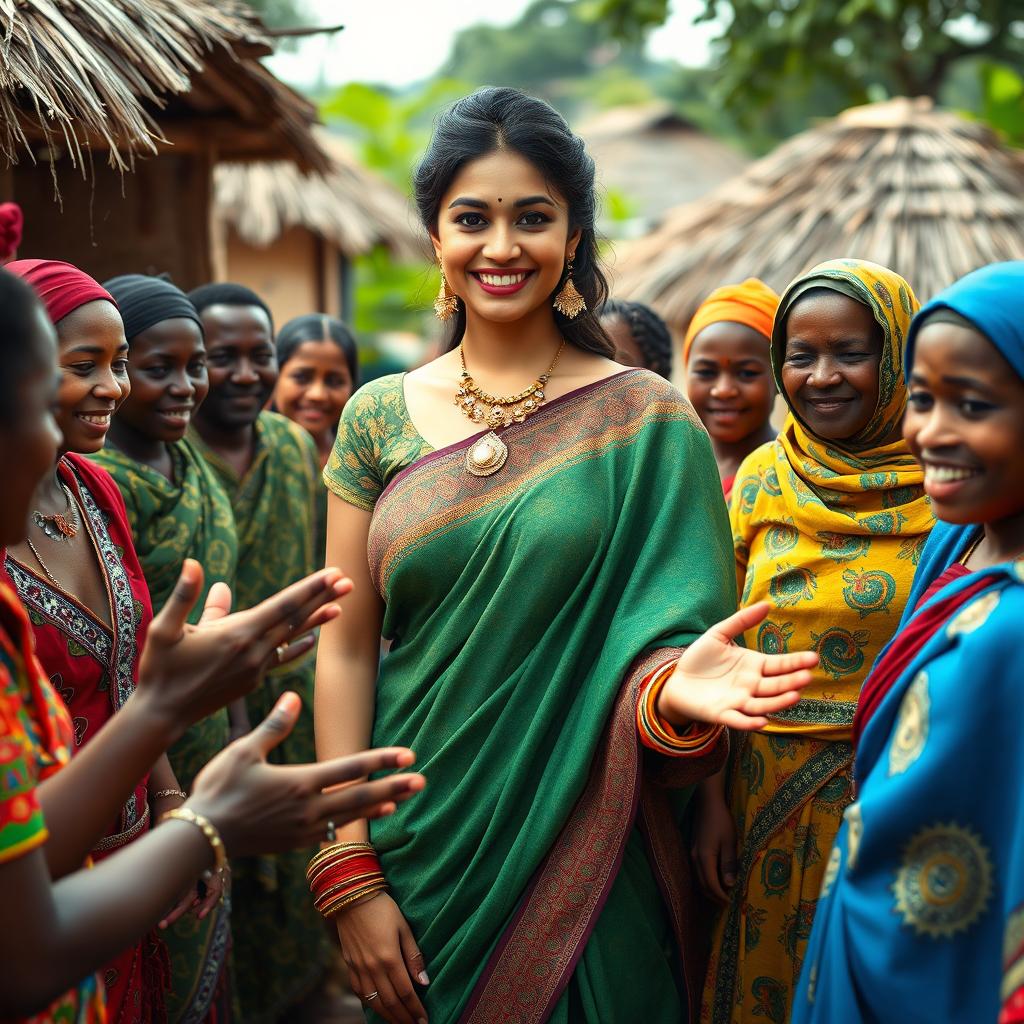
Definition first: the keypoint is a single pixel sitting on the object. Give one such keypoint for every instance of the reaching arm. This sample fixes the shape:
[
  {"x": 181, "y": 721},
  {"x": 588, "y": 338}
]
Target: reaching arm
[{"x": 59, "y": 933}]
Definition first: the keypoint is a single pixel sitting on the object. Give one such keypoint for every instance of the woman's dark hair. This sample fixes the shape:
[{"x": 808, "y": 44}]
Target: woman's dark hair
[
  {"x": 19, "y": 349},
  {"x": 500, "y": 118},
  {"x": 318, "y": 327},
  {"x": 649, "y": 331}
]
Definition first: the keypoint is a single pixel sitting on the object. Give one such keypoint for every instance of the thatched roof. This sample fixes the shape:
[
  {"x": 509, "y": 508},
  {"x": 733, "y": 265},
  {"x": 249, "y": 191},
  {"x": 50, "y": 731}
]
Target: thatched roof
[
  {"x": 656, "y": 159},
  {"x": 83, "y": 75},
  {"x": 922, "y": 191},
  {"x": 349, "y": 206}
]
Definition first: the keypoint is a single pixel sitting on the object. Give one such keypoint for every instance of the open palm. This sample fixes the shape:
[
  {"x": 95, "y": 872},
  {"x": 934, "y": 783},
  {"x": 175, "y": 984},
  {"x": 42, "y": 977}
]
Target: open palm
[{"x": 718, "y": 682}]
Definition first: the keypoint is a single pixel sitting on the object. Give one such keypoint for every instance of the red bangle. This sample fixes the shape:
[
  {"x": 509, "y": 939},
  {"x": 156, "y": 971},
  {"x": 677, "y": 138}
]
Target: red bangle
[{"x": 342, "y": 874}]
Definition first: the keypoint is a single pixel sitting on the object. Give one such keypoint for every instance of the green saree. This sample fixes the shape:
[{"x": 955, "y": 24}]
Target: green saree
[
  {"x": 543, "y": 873},
  {"x": 189, "y": 517},
  {"x": 280, "y": 943}
]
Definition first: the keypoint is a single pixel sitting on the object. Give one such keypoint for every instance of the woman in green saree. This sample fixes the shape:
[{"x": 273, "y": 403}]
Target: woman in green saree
[
  {"x": 539, "y": 579},
  {"x": 177, "y": 510}
]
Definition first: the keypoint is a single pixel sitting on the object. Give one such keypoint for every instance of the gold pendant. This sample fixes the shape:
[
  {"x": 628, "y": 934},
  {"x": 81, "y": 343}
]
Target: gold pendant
[{"x": 486, "y": 456}]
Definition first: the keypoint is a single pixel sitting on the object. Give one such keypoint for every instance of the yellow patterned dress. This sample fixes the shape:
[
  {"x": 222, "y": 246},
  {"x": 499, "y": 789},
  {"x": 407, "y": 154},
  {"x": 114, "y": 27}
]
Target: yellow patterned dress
[{"x": 829, "y": 535}]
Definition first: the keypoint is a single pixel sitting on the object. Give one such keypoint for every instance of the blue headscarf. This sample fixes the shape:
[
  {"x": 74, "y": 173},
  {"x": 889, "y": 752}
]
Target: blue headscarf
[{"x": 992, "y": 299}]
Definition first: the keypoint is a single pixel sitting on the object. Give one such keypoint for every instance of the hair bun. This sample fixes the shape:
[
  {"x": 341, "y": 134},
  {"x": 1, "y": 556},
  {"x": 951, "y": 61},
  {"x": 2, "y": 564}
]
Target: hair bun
[{"x": 11, "y": 222}]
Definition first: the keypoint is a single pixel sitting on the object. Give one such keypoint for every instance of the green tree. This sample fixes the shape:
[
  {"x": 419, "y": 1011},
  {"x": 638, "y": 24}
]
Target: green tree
[{"x": 773, "y": 52}]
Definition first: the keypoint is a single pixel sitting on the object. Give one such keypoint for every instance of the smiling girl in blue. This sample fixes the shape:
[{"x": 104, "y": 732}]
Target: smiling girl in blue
[{"x": 922, "y": 910}]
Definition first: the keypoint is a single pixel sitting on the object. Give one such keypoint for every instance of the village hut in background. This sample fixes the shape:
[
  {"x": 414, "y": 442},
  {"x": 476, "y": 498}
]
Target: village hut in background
[
  {"x": 291, "y": 236},
  {"x": 655, "y": 159},
  {"x": 114, "y": 114},
  {"x": 921, "y": 190}
]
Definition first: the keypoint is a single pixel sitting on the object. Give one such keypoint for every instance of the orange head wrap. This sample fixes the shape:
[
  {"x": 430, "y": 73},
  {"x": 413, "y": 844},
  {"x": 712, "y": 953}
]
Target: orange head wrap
[{"x": 752, "y": 304}]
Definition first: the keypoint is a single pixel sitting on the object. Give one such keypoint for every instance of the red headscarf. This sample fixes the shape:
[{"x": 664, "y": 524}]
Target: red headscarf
[
  {"x": 11, "y": 223},
  {"x": 62, "y": 287}
]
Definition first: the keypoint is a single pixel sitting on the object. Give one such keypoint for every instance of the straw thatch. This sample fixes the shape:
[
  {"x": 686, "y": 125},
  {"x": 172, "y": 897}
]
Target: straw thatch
[
  {"x": 922, "y": 191},
  {"x": 350, "y": 207},
  {"x": 82, "y": 75},
  {"x": 656, "y": 159}
]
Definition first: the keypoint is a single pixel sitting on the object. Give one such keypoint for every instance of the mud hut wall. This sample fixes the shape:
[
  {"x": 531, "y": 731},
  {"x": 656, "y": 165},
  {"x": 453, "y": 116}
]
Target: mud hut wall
[
  {"x": 155, "y": 220},
  {"x": 297, "y": 273}
]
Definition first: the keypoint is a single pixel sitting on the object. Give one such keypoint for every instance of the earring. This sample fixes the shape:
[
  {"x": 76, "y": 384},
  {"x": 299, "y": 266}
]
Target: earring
[
  {"x": 446, "y": 305},
  {"x": 568, "y": 301}
]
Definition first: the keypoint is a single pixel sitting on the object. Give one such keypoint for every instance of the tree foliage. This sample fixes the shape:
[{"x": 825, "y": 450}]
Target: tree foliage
[
  {"x": 839, "y": 52},
  {"x": 281, "y": 13}
]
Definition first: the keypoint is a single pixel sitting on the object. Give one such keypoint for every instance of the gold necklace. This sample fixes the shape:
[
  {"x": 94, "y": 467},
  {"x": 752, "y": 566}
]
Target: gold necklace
[{"x": 499, "y": 411}]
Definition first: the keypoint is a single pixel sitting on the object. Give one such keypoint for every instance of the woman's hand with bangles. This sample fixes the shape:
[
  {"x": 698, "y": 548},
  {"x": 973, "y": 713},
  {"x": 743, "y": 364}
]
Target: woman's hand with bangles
[
  {"x": 718, "y": 682},
  {"x": 384, "y": 963}
]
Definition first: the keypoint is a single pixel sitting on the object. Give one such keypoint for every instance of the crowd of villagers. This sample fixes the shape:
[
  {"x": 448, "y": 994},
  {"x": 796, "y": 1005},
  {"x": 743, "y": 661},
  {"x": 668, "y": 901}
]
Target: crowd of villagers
[{"x": 718, "y": 722}]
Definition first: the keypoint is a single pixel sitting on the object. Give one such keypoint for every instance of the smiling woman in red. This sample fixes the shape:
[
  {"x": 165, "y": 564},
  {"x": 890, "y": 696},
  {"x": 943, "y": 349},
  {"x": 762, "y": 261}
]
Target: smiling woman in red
[{"x": 78, "y": 575}]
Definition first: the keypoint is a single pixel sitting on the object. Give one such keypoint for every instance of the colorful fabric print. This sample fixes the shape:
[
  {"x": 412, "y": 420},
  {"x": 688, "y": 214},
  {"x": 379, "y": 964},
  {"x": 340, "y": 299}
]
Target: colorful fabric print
[{"x": 854, "y": 506}]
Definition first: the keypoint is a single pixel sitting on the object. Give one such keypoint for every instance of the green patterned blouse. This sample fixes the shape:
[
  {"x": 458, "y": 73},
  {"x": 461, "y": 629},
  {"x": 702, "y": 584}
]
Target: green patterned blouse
[{"x": 376, "y": 441}]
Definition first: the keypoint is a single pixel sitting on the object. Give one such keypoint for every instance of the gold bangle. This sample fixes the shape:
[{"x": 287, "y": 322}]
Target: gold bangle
[
  {"x": 220, "y": 855},
  {"x": 332, "y": 908},
  {"x": 168, "y": 792}
]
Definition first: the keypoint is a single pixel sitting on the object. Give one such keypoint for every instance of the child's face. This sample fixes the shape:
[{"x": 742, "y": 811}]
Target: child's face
[{"x": 965, "y": 425}]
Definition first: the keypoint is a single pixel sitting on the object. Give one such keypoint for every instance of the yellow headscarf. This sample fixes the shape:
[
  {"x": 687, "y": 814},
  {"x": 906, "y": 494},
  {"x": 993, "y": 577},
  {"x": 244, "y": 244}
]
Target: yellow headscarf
[{"x": 830, "y": 532}]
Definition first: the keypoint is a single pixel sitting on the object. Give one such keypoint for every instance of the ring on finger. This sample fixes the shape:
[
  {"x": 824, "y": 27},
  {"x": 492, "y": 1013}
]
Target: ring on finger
[
  {"x": 370, "y": 998},
  {"x": 332, "y": 833},
  {"x": 281, "y": 651}
]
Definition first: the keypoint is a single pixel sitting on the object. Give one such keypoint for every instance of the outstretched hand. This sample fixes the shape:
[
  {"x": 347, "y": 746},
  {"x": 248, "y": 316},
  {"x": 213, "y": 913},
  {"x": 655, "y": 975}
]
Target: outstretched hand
[
  {"x": 266, "y": 808},
  {"x": 191, "y": 671},
  {"x": 718, "y": 682}
]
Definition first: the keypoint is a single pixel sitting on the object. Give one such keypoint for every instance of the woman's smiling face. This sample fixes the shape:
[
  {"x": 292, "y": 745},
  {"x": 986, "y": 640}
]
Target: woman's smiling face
[
  {"x": 92, "y": 354},
  {"x": 965, "y": 425},
  {"x": 830, "y": 372},
  {"x": 503, "y": 235}
]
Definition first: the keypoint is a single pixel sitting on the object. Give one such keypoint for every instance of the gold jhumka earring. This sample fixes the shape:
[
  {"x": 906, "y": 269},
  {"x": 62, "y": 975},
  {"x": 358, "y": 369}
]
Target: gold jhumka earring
[
  {"x": 446, "y": 305},
  {"x": 568, "y": 301}
]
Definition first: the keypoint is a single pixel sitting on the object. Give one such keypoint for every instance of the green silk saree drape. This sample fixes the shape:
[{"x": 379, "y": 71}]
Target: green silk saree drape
[{"x": 524, "y": 610}]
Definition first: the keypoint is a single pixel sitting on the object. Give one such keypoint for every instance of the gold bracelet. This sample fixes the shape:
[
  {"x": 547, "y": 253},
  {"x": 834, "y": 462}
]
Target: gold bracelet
[
  {"x": 220, "y": 855},
  {"x": 168, "y": 792}
]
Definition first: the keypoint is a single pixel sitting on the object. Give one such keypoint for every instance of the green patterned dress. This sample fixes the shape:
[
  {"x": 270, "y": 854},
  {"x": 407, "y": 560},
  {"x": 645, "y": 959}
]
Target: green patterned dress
[
  {"x": 171, "y": 520},
  {"x": 280, "y": 942}
]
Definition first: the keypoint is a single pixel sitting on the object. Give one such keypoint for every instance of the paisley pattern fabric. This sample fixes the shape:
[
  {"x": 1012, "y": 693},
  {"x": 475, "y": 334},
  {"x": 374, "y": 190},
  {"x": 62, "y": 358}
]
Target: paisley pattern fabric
[
  {"x": 280, "y": 943},
  {"x": 930, "y": 873},
  {"x": 535, "y": 890},
  {"x": 93, "y": 667},
  {"x": 187, "y": 517},
  {"x": 376, "y": 440},
  {"x": 36, "y": 740},
  {"x": 829, "y": 534}
]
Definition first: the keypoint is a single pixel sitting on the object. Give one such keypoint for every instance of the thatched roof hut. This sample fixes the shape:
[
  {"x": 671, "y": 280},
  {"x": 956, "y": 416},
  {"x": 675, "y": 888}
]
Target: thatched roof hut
[
  {"x": 656, "y": 159},
  {"x": 119, "y": 110},
  {"x": 290, "y": 236},
  {"x": 923, "y": 191}
]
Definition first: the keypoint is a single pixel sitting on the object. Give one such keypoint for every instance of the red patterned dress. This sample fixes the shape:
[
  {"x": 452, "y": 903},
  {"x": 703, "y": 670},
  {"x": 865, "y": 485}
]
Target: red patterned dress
[{"x": 93, "y": 667}]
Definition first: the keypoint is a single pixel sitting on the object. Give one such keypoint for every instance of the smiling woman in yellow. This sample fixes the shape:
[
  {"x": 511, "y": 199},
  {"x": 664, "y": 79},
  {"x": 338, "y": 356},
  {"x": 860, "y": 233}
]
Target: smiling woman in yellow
[{"x": 828, "y": 523}]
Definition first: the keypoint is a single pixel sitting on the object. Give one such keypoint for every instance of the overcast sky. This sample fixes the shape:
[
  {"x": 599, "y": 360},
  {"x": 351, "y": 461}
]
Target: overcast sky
[{"x": 397, "y": 42}]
